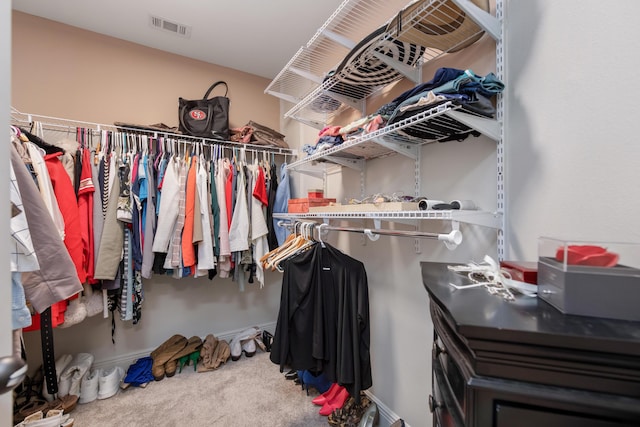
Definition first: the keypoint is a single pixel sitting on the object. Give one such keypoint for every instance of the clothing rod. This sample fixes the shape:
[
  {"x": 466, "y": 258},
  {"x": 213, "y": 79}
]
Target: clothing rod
[
  {"x": 29, "y": 119},
  {"x": 452, "y": 239}
]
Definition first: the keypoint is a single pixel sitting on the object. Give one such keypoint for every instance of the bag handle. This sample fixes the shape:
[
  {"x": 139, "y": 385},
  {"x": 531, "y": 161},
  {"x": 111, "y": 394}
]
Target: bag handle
[{"x": 206, "y": 95}]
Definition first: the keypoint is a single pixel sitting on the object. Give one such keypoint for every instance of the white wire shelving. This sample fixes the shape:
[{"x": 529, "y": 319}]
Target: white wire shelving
[
  {"x": 438, "y": 122},
  {"x": 307, "y": 80},
  {"x": 475, "y": 217}
]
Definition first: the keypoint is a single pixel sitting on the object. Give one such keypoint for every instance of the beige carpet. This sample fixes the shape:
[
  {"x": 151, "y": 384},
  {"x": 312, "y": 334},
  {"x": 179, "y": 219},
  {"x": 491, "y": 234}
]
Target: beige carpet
[{"x": 248, "y": 392}]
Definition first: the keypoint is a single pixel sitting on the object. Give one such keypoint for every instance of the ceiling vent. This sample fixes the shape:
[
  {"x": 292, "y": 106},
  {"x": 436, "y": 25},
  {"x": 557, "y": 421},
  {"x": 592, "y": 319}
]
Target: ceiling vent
[{"x": 170, "y": 27}]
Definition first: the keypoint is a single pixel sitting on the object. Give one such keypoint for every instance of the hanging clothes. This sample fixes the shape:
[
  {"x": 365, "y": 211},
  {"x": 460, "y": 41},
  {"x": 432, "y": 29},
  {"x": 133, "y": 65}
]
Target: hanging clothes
[
  {"x": 68, "y": 207},
  {"x": 112, "y": 239},
  {"x": 224, "y": 260},
  {"x": 323, "y": 320},
  {"x": 281, "y": 203},
  {"x": 56, "y": 280},
  {"x": 86, "y": 191},
  {"x": 206, "y": 258},
  {"x": 272, "y": 190},
  {"x": 259, "y": 229}
]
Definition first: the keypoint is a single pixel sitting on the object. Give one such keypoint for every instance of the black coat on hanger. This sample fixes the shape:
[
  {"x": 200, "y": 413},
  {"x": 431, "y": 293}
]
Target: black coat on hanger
[{"x": 48, "y": 148}]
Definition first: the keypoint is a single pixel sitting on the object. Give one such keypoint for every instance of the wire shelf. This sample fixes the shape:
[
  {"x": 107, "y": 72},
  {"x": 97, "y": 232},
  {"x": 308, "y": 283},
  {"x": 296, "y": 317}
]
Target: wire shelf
[
  {"x": 401, "y": 136},
  {"x": 320, "y": 96},
  {"x": 482, "y": 218}
]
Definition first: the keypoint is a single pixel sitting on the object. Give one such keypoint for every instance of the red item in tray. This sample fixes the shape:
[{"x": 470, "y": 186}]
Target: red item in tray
[
  {"x": 595, "y": 256},
  {"x": 523, "y": 271}
]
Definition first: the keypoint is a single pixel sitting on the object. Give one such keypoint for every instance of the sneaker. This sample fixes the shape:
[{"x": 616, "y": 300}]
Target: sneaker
[{"x": 109, "y": 382}]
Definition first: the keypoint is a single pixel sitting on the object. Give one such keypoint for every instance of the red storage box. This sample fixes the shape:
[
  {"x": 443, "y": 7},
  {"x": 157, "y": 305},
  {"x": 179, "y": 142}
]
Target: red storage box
[
  {"x": 302, "y": 205},
  {"x": 315, "y": 194},
  {"x": 523, "y": 271}
]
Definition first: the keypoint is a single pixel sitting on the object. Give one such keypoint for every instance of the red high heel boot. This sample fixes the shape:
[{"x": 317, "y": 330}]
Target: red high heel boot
[
  {"x": 335, "y": 403},
  {"x": 327, "y": 395}
]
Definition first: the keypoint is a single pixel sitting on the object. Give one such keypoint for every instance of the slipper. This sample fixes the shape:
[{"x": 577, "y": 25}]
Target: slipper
[{"x": 139, "y": 373}]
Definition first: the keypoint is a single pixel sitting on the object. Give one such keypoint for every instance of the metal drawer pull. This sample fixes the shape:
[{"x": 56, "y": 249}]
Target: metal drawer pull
[{"x": 434, "y": 404}]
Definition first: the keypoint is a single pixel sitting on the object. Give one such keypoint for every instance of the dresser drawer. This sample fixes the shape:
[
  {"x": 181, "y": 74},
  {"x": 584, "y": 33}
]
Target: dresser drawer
[{"x": 442, "y": 403}]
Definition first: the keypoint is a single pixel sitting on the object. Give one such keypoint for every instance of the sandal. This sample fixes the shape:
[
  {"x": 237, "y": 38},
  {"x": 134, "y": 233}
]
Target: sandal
[{"x": 31, "y": 407}]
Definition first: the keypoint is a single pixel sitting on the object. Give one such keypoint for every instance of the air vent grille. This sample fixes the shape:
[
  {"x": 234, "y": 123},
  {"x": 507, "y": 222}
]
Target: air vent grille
[{"x": 162, "y": 24}]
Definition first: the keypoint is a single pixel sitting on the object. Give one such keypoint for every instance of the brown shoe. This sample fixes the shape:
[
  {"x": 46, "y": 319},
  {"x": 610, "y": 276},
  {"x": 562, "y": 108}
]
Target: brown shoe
[
  {"x": 206, "y": 353},
  {"x": 221, "y": 354},
  {"x": 163, "y": 354},
  {"x": 193, "y": 344}
]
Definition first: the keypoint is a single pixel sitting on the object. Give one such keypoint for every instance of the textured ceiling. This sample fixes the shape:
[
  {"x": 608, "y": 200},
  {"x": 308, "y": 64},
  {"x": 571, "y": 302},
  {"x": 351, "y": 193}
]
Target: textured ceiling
[{"x": 255, "y": 36}]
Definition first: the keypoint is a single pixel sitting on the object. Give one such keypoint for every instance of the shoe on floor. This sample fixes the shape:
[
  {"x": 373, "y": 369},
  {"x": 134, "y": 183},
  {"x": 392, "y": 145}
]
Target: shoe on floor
[
  {"x": 235, "y": 345},
  {"x": 221, "y": 354},
  {"x": 71, "y": 377},
  {"x": 206, "y": 353},
  {"x": 164, "y": 352},
  {"x": 109, "y": 382},
  {"x": 61, "y": 363},
  {"x": 193, "y": 345},
  {"x": 89, "y": 386}
]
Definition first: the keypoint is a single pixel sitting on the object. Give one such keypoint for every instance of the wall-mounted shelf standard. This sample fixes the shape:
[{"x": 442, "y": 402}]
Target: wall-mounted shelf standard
[
  {"x": 440, "y": 122},
  {"x": 322, "y": 87},
  {"x": 482, "y": 218}
]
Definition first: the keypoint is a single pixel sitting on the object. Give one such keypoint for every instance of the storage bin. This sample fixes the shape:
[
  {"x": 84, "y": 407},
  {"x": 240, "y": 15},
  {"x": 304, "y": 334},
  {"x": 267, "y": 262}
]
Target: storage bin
[{"x": 590, "y": 278}]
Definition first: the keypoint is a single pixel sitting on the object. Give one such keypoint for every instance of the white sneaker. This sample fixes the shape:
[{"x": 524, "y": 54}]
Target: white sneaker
[
  {"x": 72, "y": 375},
  {"x": 236, "y": 342},
  {"x": 89, "y": 386},
  {"x": 109, "y": 382}
]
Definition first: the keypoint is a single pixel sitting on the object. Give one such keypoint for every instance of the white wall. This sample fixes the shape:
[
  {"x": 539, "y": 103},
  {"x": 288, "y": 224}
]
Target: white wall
[
  {"x": 572, "y": 152},
  {"x": 572, "y": 171}
]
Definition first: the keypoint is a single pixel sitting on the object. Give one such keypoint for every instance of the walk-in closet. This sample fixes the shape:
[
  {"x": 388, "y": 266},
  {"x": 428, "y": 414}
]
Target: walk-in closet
[{"x": 375, "y": 216}]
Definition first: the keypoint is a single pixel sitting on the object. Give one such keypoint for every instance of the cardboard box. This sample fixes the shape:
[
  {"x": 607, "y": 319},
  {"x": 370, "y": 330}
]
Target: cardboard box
[{"x": 303, "y": 205}]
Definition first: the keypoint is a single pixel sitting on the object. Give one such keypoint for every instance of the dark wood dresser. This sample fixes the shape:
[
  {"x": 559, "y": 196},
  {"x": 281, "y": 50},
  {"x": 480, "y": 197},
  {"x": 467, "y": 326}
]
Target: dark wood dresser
[{"x": 525, "y": 364}]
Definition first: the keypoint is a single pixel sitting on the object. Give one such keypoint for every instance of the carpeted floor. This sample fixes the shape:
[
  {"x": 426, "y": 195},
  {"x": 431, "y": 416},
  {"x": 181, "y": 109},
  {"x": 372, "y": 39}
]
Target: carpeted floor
[{"x": 248, "y": 392}]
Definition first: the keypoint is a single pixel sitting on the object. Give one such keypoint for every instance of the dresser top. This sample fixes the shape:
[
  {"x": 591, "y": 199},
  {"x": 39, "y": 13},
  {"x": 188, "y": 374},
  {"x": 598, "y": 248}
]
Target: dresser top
[{"x": 477, "y": 315}]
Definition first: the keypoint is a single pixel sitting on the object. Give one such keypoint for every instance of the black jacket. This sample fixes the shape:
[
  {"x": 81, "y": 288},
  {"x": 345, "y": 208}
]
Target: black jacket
[{"x": 323, "y": 322}]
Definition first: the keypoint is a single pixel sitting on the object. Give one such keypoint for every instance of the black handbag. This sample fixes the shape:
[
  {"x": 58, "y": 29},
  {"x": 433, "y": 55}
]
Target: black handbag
[{"x": 206, "y": 117}]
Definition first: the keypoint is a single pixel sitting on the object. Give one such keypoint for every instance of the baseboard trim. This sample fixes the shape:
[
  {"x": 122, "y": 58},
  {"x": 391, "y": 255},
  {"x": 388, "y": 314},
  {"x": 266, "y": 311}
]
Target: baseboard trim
[
  {"x": 387, "y": 416},
  {"x": 126, "y": 360}
]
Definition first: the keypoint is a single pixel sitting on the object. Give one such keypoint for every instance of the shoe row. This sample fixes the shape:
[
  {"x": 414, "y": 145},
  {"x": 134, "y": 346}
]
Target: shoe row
[
  {"x": 78, "y": 378},
  {"x": 177, "y": 350},
  {"x": 336, "y": 404},
  {"x": 53, "y": 418}
]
